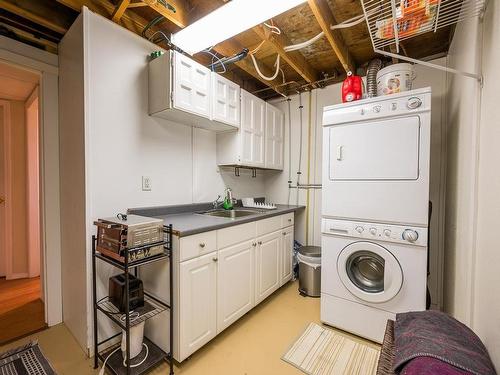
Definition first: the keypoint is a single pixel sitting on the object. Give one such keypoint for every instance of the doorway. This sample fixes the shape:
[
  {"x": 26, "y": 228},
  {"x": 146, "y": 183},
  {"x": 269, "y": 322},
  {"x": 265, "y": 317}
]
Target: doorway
[{"x": 21, "y": 280}]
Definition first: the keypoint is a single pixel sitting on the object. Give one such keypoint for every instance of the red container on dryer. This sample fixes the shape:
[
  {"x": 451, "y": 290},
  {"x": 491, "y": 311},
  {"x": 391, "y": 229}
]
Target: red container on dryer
[{"x": 352, "y": 88}]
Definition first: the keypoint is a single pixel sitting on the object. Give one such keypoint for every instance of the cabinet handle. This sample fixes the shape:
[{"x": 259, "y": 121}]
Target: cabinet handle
[
  {"x": 254, "y": 244},
  {"x": 202, "y": 245},
  {"x": 284, "y": 233},
  {"x": 260, "y": 242},
  {"x": 215, "y": 259},
  {"x": 289, "y": 220}
]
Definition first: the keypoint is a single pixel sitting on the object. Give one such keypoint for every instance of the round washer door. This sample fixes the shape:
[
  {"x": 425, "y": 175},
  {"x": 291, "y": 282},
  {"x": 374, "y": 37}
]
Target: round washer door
[{"x": 370, "y": 272}]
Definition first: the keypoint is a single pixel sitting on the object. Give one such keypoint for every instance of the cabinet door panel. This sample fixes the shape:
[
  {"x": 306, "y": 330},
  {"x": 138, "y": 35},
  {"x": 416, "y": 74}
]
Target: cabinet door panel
[
  {"x": 235, "y": 283},
  {"x": 191, "y": 86},
  {"x": 286, "y": 255},
  {"x": 274, "y": 137},
  {"x": 226, "y": 100},
  {"x": 267, "y": 265},
  {"x": 252, "y": 130},
  {"x": 197, "y": 303}
]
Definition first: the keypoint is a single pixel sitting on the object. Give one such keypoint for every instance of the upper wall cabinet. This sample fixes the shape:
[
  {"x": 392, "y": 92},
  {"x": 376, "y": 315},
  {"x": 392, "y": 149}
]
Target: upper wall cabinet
[
  {"x": 247, "y": 146},
  {"x": 259, "y": 142},
  {"x": 274, "y": 137},
  {"x": 225, "y": 101},
  {"x": 182, "y": 90}
]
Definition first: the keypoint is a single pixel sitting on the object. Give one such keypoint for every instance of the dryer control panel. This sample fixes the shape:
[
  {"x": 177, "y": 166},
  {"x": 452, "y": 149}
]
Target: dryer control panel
[
  {"x": 375, "y": 231},
  {"x": 379, "y": 107}
]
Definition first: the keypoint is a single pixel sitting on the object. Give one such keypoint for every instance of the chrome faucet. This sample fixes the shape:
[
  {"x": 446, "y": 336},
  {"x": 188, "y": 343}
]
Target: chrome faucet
[
  {"x": 217, "y": 202},
  {"x": 227, "y": 201}
]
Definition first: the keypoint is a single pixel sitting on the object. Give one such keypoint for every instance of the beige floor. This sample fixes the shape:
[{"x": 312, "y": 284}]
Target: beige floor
[{"x": 252, "y": 346}]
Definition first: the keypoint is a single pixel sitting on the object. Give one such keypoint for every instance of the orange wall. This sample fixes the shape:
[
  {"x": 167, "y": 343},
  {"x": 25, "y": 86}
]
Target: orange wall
[{"x": 18, "y": 199}]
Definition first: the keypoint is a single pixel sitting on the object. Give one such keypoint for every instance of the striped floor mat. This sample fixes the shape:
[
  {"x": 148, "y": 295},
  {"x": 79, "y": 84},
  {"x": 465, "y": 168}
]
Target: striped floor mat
[{"x": 322, "y": 351}]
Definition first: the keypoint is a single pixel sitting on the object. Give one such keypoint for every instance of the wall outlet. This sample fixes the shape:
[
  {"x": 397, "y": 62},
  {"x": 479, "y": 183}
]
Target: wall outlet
[{"x": 146, "y": 183}]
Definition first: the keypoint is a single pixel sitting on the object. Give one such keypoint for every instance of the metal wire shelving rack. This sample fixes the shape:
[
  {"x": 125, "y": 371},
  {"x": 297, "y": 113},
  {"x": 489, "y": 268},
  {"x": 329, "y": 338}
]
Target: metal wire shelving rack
[
  {"x": 152, "y": 307},
  {"x": 392, "y": 21}
]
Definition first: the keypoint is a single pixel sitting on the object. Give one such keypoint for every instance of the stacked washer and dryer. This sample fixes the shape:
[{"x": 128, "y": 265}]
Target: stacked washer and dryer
[{"x": 375, "y": 206}]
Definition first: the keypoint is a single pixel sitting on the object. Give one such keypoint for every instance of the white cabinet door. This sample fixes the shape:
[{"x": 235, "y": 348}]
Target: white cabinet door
[
  {"x": 235, "y": 283},
  {"x": 225, "y": 100},
  {"x": 253, "y": 119},
  {"x": 274, "y": 137},
  {"x": 267, "y": 265},
  {"x": 286, "y": 255},
  {"x": 191, "y": 87},
  {"x": 197, "y": 303}
]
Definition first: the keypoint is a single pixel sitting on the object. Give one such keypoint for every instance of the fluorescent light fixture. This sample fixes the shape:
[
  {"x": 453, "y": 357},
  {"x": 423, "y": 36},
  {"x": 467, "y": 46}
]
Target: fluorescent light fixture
[{"x": 228, "y": 21}]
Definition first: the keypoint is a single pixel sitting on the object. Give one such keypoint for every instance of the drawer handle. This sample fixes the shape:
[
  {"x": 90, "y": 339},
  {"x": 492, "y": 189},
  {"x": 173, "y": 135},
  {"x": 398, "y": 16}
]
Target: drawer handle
[
  {"x": 284, "y": 233},
  {"x": 254, "y": 244},
  {"x": 215, "y": 259},
  {"x": 202, "y": 245},
  {"x": 260, "y": 242},
  {"x": 289, "y": 220}
]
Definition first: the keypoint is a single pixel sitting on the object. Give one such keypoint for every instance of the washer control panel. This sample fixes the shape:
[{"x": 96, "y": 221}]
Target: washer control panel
[{"x": 376, "y": 231}]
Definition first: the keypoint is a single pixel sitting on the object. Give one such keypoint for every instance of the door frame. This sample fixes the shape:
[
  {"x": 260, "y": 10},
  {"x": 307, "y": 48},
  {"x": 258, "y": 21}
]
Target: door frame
[
  {"x": 7, "y": 241},
  {"x": 46, "y": 65}
]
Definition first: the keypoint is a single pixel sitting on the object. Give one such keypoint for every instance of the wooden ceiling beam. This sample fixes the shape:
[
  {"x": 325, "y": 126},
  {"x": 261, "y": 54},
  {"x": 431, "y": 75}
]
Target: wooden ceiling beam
[
  {"x": 325, "y": 18},
  {"x": 119, "y": 10},
  {"x": 231, "y": 47},
  {"x": 293, "y": 58},
  {"x": 29, "y": 15},
  {"x": 179, "y": 17},
  {"x": 129, "y": 20}
]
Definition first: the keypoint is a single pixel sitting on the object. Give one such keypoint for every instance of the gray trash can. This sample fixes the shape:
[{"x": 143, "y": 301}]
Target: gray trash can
[{"x": 309, "y": 259}]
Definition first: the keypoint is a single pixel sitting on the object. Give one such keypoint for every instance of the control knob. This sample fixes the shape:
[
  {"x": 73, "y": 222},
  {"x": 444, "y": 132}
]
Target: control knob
[
  {"x": 414, "y": 103},
  {"x": 359, "y": 229},
  {"x": 373, "y": 231},
  {"x": 410, "y": 235},
  {"x": 387, "y": 232}
]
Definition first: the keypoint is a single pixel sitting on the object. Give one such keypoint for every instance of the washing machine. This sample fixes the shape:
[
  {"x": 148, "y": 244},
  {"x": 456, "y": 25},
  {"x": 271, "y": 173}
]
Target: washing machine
[
  {"x": 376, "y": 159},
  {"x": 369, "y": 273}
]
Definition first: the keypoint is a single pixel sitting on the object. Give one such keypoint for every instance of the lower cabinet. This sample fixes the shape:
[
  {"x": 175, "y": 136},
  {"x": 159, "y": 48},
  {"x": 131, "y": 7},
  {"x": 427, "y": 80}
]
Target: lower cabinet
[
  {"x": 235, "y": 283},
  {"x": 286, "y": 255},
  {"x": 197, "y": 303},
  {"x": 267, "y": 265},
  {"x": 215, "y": 289}
]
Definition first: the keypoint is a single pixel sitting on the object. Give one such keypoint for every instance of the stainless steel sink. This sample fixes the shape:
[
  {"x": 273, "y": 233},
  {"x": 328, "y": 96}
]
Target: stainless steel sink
[{"x": 230, "y": 214}]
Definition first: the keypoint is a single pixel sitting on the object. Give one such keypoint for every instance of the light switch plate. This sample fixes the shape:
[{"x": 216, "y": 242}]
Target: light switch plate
[{"x": 146, "y": 183}]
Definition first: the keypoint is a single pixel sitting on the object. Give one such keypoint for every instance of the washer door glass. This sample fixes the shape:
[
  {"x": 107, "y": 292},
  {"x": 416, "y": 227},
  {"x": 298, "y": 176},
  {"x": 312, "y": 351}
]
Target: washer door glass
[
  {"x": 369, "y": 272},
  {"x": 366, "y": 270}
]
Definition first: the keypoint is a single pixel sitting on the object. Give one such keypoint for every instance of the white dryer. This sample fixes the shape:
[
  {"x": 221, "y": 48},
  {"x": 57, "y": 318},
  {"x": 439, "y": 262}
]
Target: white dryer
[
  {"x": 376, "y": 159},
  {"x": 370, "y": 272}
]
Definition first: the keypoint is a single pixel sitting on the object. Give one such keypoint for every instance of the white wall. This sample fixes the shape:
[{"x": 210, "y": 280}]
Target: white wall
[
  {"x": 462, "y": 153},
  {"x": 486, "y": 301},
  {"x": 312, "y": 132},
  {"x": 122, "y": 144}
]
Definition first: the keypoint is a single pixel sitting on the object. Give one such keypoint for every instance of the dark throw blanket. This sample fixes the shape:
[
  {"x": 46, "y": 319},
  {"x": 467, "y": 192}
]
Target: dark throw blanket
[{"x": 431, "y": 342}]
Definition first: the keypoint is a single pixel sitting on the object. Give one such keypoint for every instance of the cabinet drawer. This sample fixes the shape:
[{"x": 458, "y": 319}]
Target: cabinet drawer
[
  {"x": 287, "y": 220},
  {"x": 233, "y": 235},
  {"x": 197, "y": 244},
  {"x": 268, "y": 225}
]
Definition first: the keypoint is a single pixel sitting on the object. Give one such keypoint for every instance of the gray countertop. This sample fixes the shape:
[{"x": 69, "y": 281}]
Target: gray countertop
[{"x": 186, "y": 221}]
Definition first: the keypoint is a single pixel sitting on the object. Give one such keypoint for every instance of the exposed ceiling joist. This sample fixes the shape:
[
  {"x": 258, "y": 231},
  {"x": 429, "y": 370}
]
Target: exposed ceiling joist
[
  {"x": 231, "y": 47},
  {"x": 120, "y": 9},
  {"x": 179, "y": 17},
  {"x": 129, "y": 20},
  {"x": 294, "y": 59},
  {"x": 29, "y": 15},
  {"x": 325, "y": 18}
]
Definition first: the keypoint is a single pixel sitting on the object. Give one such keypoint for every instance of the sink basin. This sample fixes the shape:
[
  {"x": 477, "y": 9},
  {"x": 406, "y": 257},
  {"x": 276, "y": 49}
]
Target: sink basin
[{"x": 231, "y": 214}]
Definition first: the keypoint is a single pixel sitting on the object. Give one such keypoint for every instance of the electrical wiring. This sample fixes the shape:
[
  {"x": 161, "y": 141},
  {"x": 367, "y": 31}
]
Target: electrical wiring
[
  {"x": 277, "y": 64},
  {"x": 214, "y": 56},
  {"x": 274, "y": 29}
]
